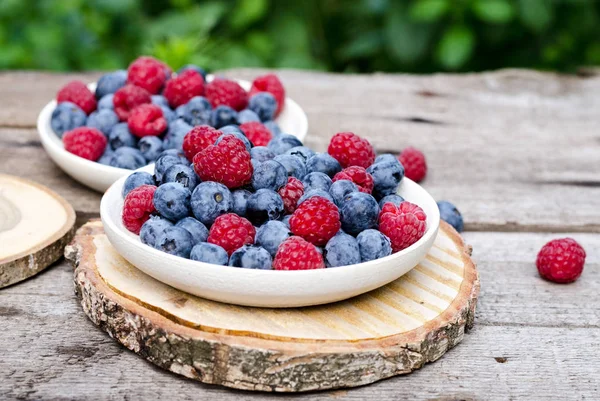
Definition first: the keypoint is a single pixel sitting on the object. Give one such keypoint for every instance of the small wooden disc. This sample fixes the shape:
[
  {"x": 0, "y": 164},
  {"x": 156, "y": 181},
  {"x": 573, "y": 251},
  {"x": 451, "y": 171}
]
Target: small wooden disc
[
  {"x": 389, "y": 331},
  {"x": 35, "y": 226}
]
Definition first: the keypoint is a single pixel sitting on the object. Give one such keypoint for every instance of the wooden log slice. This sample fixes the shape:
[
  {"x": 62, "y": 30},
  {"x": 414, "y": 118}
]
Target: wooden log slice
[
  {"x": 35, "y": 226},
  {"x": 389, "y": 331}
]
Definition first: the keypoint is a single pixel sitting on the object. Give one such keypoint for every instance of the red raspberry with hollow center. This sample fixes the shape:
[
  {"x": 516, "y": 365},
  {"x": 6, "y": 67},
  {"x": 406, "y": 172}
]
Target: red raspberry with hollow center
[
  {"x": 128, "y": 98},
  {"x": 295, "y": 253},
  {"x": 316, "y": 220},
  {"x": 227, "y": 162},
  {"x": 350, "y": 149},
  {"x": 199, "y": 138},
  {"x": 359, "y": 176},
  {"x": 180, "y": 89},
  {"x": 138, "y": 207},
  {"x": 231, "y": 232},
  {"x": 77, "y": 92},
  {"x": 561, "y": 260},
  {"x": 257, "y": 133},
  {"x": 270, "y": 83},
  {"x": 415, "y": 166},
  {"x": 226, "y": 92},
  {"x": 85, "y": 142},
  {"x": 146, "y": 120},
  {"x": 404, "y": 225},
  {"x": 291, "y": 194},
  {"x": 148, "y": 73}
]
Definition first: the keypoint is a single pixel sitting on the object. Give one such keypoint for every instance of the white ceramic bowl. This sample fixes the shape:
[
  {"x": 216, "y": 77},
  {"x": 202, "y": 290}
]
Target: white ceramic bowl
[
  {"x": 268, "y": 288},
  {"x": 292, "y": 120}
]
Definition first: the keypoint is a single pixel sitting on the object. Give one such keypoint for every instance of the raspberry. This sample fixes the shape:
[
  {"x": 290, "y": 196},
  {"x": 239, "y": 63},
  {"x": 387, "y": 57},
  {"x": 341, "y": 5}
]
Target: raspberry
[
  {"x": 351, "y": 150},
  {"x": 297, "y": 254},
  {"x": 316, "y": 220},
  {"x": 78, "y": 93},
  {"x": 146, "y": 120},
  {"x": 227, "y": 93},
  {"x": 183, "y": 87},
  {"x": 199, "y": 138},
  {"x": 561, "y": 260},
  {"x": 128, "y": 98},
  {"x": 359, "y": 176},
  {"x": 227, "y": 162},
  {"x": 258, "y": 134},
  {"x": 85, "y": 142},
  {"x": 415, "y": 166},
  {"x": 291, "y": 193},
  {"x": 231, "y": 232},
  {"x": 137, "y": 207},
  {"x": 403, "y": 225},
  {"x": 270, "y": 83},
  {"x": 148, "y": 73}
]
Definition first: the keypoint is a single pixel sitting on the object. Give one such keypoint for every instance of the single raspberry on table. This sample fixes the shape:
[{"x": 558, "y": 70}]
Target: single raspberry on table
[
  {"x": 295, "y": 253},
  {"x": 350, "y": 149},
  {"x": 227, "y": 162},
  {"x": 227, "y": 93},
  {"x": 415, "y": 166},
  {"x": 85, "y": 142},
  {"x": 128, "y": 98},
  {"x": 78, "y": 93},
  {"x": 257, "y": 133},
  {"x": 231, "y": 232},
  {"x": 359, "y": 176},
  {"x": 291, "y": 194},
  {"x": 148, "y": 73},
  {"x": 199, "y": 138},
  {"x": 146, "y": 120},
  {"x": 183, "y": 87},
  {"x": 316, "y": 220},
  {"x": 403, "y": 225},
  {"x": 561, "y": 260},
  {"x": 270, "y": 83},
  {"x": 137, "y": 207}
]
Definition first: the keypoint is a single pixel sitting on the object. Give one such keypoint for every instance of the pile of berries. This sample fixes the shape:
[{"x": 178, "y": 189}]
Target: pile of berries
[
  {"x": 246, "y": 200},
  {"x": 135, "y": 115}
]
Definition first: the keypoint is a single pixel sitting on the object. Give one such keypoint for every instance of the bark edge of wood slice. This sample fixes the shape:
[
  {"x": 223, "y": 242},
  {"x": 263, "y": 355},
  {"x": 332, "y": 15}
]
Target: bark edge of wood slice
[
  {"x": 35, "y": 226},
  {"x": 349, "y": 343}
]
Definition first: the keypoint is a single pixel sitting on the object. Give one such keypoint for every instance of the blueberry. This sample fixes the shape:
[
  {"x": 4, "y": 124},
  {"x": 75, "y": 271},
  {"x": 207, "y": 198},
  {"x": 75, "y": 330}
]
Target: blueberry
[
  {"x": 315, "y": 192},
  {"x": 151, "y": 147},
  {"x": 386, "y": 177},
  {"x": 385, "y": 157},
  {"x": 340, "y": 189},
  {"x": 241, "y": 137},
  {"x": 246, "y": 116},
  {"x": 172, "y": 201},
  {"x": 195, "y": 112},
  {"x": 210, "y": 200},
  {"x": 271, "y": 234},
  {"x": 264, "y": 205},
  {"x": 264, "y": 105},
  {"x": 110, "y": 83},
  {"x": 282, "y": 143},
  {"x": 393, "y": 198},
  {"x": 209, "y": 253},
  {"x": 324, "y": 163},
  {"x": 251, "y": 257},
  {"x": 159, "y": 100},
  {"x": 359, "y": 212},
  {"x": 152, "y": 228},
  {"x": 316, "y": 180},
  {"x": 240, "y": 201},
  {"x": 175, "y": 241},
  {"x": 168, "y": 114},
  {"x": 198, "y": 230},
  {"x": 373, "y": 245},
  {"x": 129, "y": 158},
  {"x": 273, "y": 127},
  {"x": 231, "y": 129},
  {"x": 450, "y": 214},
  {"x": 223, "y": 115},
  {"x": 286, "y": 220},
  {"x": 106, "y": 102},
  {"x": 342, "y": 250},
  {"x": 106, "y": 156},
  {"x": 65, "y": 117},
  {"x": 261, "y": 154},
  {"x": 193, "y": 67},
  {"x": 181, "y": 174},
  {"x": 103, "y": 120},
  {"x": 120, "y": 136},
  {"x": 270, "y": 174},
  {"x": 302, "y": 152},
  {"x": 293, "y": 165},
  {"x": 175, "y": 134},
  {"x": 135, "y": 180},
  {"x": 167, "y": 159}
]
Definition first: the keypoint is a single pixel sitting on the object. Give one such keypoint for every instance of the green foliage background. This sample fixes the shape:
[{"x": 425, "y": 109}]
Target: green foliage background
[{"x": 335, "y": 35}]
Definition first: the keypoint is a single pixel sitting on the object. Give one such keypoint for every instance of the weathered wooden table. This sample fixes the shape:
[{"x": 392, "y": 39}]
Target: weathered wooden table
[{"x": 517, "y": 151}]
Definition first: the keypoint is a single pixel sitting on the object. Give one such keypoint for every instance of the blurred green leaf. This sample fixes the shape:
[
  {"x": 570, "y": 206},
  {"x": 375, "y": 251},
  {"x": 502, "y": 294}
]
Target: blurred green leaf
[
  {"x": 536, "y": 14},
  {"x": 260, "y": 43},
  {"x": 246, "y": 12},
  {"x": 494, "y": 11},
  {"x": 406, "y": 41},
  {"x": 197, "y": 20},
  {"x": 429, "y": 10},
  {"x": 455, "y": 47},
  {"x": 364, "y": 45}
]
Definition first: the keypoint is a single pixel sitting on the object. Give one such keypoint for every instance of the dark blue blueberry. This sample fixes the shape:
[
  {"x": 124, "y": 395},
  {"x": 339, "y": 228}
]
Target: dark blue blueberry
[
  {"x": 386, "y": 177},
  {"x": 151, "y": 147},
  {"x": 175, "y": 241},
  {"x": 450, "y": 214},
  {"x": 240, "y": 201},
  {"x": 110, "y": 83},
  {"x": 264, "y": 205},
  {"x": 172, "y": 201},
  {"x": 385, "y": 157},
  {"x": 120, "y": 136},
  {"x": 286, "y": 220},
  {"x": 264, "y": 105},
  {"x": 175, "y": 134},
  {"x": 106, "y": 102},
  {"x": 231, "y": 129},
  {"x": 222, "y": 116},
  {"x": 271, "y": 234},
  {"x": 315, "y": 192},
  {"x": 261, "y": 154},
  {"x": 195, "y": 112},
  {"x": 316, "y": 180},
  {"x": 340, "y": 189},
  {"x": 341, "y": 250},
  {"x": 270, "y": 174},
  {"x": 282, "y": 143},
  {"x": 241, "y": 137},
  {"x": 103, "y": 120},
  {"x": 359, "y": 212},
  {"x": 393, "y": 198},
  {"x": 251, "y": 257},
  {"x": 181, "y": 174},
  {"x": 167, "y": 159},
  {"x": 210, "y": 200},
  {"x": 302, "y": 152},
  {"x": 106, "y": 156},
  {"x": 273, "y": 127},
  {"x": 169, "y": 114},
  {"x": 136, "y": 179},
  {"x": 129, "y": 158},
  {"x": 373, "y": 245},
  {"x": 324, "y": 163},
  {"x": 65, "y": 117},
  {"x": 209, "y": 253},
  {"x": 152, "y": 229},
  {"x": 246, "y": 116},
  {"x": 293, "y": 165},
  {"x": 193, "y": 67},
  {"x": 160, "y": 100},
  {"x": 198, "y": 230}
]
